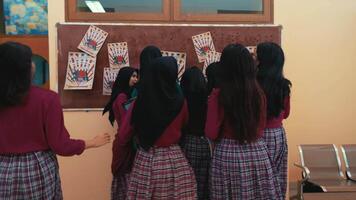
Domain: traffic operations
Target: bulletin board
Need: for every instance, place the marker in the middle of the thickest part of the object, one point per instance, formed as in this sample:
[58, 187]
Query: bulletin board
[169, 37]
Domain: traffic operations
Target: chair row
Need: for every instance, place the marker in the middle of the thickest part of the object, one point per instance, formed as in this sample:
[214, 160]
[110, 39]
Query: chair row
[321, 168]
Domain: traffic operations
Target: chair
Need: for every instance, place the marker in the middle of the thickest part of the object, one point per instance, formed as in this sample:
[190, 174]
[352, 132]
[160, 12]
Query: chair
[349, 154]
[322, 170]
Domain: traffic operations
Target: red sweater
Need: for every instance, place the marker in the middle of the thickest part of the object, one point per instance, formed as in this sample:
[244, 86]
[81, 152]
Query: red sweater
[277, 121]
[36, 125]
[216, 126]
[119, 113]
[170, 136]
[118, 107]
[121, 148]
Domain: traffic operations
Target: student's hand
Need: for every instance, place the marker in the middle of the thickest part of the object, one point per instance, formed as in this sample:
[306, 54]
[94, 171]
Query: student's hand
[97, 141]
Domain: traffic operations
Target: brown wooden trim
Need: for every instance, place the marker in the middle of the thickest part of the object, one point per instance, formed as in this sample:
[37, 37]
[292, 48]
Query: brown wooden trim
[72, 15]
[266, 17]
[23, 36]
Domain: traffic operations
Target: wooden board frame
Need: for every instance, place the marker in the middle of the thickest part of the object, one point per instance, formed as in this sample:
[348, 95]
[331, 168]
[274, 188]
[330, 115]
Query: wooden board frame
[169, 37]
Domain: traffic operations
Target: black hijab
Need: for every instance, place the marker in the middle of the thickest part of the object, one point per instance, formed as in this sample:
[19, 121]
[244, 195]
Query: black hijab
[148, 54]
[158, 102]
[212, 74]
[121, 85]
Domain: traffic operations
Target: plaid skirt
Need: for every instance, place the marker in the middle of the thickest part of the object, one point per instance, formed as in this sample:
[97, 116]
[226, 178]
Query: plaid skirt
[119, 186]
[276, 141]
[161, 173]
[197, 151]
[243, 172]
[30, 176]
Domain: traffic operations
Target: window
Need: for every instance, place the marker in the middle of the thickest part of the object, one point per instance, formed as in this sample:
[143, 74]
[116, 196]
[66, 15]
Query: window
[173, 11]
[144, 6]
[243, 11]
[222, 6]
[118, 10]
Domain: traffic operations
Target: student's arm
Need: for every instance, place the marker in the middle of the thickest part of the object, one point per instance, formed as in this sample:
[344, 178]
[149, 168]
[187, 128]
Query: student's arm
[97, 141]
[58, 137]
[214, 116]
[286, 107]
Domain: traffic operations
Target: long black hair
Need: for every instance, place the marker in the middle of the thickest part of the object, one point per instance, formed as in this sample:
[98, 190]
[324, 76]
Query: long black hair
[240, 95]
[194, 88]
[158, 102]
[121, 85]
[15, 73]
[270, 57]
[212, 75]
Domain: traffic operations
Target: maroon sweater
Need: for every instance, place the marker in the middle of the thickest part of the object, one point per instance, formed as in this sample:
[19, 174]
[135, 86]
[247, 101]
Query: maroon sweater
[121, 147]
[119, 113]
[171, 134]
[216, 126]
[36, 125]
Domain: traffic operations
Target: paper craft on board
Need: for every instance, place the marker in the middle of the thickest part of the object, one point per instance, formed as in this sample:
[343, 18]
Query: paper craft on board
[109, 79]
[118, 55]
[202, 44]
[93, 40]
[80, 71]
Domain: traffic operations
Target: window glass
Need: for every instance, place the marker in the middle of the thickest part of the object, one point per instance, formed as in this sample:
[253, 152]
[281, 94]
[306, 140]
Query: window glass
[222, 6]
[105, 6]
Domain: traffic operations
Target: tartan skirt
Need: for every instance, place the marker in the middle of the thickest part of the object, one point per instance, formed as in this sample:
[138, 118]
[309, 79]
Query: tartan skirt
[276, 141]
[242, 171]
[161, 173]
[119, 186]
[197, 151]
[30, 176]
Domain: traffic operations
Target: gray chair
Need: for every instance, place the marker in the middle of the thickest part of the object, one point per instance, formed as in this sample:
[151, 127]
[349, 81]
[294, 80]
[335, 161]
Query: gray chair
[321, 170]
[349, 154]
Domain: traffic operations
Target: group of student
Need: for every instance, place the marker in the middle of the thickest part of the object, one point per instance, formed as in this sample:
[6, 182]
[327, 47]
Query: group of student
[214, 137]
[217, 139]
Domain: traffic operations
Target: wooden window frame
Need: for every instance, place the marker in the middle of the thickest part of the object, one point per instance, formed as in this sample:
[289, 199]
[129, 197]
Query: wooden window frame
[73, 16]
[265, 17]
[171, 13]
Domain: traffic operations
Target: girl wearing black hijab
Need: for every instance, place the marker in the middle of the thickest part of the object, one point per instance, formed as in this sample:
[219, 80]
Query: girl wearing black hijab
[121, 92]
[156, 119]
[148, 54]
[212, 76]
[194, 144]
[122, 88]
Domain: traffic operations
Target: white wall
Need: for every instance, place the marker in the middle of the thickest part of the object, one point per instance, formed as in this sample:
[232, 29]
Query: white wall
[319, 40]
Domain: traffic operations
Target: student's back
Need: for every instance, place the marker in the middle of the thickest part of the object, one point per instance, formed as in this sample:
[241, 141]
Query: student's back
[156, 119]
[241, 167]
[36, 125]
[277, 89]
[32, 131]
[195, 146]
